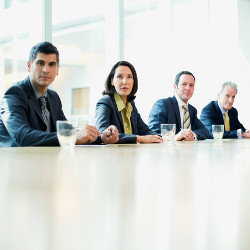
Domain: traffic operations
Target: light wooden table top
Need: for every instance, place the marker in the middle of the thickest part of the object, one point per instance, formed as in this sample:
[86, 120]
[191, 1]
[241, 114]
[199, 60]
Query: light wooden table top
[181, 195]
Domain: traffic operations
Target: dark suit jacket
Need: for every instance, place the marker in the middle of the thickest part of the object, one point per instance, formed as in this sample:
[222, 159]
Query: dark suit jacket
[107, 114]
[21, 122]
[211, 115]
[167, 111]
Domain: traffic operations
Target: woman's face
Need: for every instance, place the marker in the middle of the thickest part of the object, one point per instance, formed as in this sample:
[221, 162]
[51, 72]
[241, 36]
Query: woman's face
[123, 81]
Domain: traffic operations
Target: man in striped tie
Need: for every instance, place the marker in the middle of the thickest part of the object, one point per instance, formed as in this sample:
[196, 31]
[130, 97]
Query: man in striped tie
[29, 109]
[177, 110]
[222, 112]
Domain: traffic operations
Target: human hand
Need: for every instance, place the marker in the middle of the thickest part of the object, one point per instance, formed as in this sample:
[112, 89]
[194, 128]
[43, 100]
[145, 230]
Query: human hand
[110, 135]
[87, 134]
[185, 135]
[246, 134]
[149, 138]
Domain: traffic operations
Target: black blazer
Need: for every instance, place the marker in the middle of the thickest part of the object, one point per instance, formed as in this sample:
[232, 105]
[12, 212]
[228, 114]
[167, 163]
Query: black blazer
[107, 114]
[21, 122]
[167, 111]
[211, 115]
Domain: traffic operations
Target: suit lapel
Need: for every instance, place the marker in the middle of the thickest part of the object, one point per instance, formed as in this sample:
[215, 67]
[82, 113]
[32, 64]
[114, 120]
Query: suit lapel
[133, 119]
[191, 114]
[32, 98]
[177, 112]
[218, 110]
[230, 118]
[119, 114]
[52, 107]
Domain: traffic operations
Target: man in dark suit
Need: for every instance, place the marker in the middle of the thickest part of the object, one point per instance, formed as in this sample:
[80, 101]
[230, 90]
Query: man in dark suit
[23, 122]
[176, 110]
[221, 112]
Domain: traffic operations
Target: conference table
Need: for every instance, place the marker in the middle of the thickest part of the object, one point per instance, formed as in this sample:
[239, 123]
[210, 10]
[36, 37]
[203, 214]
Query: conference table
[177, 195]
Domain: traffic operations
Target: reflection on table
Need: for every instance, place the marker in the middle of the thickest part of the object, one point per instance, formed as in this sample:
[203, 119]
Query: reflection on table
[179, 195]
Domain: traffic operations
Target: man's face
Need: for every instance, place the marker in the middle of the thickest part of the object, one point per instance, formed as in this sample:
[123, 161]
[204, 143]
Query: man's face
[43, 70]
[227, 97]
[185, 88]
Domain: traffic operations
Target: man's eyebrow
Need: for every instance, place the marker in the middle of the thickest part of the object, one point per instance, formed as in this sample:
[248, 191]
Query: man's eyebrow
[188, 83]
[40, 60]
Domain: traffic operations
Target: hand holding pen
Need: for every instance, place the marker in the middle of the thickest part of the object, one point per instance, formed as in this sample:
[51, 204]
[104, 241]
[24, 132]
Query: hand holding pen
[110, 134]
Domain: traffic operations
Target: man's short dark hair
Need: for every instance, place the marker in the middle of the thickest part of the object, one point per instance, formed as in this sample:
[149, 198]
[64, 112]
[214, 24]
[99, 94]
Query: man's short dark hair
[177, 78]
[45, 48]
[110, 90]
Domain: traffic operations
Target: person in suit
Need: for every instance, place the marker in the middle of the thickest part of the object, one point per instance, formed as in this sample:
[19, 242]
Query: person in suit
[222, 112]
[29, 110]
[117, 106]
[177, 110]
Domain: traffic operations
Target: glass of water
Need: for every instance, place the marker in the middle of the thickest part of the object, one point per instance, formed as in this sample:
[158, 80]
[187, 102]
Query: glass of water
[218, 131]
[67, 133]
[168, 132]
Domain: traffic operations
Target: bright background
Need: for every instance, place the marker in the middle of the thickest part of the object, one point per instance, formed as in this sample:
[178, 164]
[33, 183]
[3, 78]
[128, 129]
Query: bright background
[210, 38]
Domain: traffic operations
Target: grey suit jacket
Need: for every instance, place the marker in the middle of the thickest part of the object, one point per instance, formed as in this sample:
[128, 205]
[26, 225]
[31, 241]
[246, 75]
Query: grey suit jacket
[211, 115]
[167, 111]
[21, 122]
[107, 114]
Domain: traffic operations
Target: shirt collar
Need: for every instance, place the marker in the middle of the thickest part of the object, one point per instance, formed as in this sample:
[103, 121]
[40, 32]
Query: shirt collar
[222, 109]
[119, 102]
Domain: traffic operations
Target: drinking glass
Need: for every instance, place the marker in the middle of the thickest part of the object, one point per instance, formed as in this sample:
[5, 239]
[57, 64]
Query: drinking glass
[168, 132]
[67, 133]
[217, 131]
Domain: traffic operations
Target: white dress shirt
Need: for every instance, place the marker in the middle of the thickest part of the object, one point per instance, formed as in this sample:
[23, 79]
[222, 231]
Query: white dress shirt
[182, 111]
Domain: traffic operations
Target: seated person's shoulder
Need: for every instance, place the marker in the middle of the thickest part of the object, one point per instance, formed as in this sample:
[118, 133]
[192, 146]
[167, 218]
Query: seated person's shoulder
[210, 107]
[53, 93]
[106, 99]
[16, 87]
[191, 106]
[161, 105]
[15, 91]
[211, 104]
[194, 110]
[234, 111]
[163, 101]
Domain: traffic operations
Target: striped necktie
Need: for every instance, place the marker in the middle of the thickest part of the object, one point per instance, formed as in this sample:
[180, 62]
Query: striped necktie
[42, 103]
[227, 122]
[186, 118]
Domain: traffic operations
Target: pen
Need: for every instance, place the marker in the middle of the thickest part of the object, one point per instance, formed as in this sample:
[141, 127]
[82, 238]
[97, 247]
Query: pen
[107, 132]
